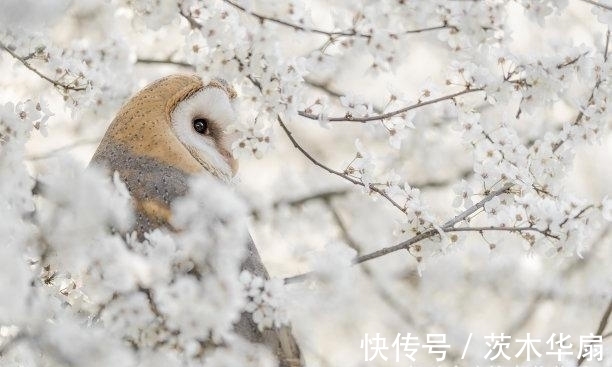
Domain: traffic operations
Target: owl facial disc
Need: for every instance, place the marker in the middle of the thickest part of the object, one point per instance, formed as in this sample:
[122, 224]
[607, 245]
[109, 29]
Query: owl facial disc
[202, 122]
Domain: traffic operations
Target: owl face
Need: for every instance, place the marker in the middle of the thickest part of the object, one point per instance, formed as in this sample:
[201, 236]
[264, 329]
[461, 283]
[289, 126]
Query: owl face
[178, 122]
[202, 122]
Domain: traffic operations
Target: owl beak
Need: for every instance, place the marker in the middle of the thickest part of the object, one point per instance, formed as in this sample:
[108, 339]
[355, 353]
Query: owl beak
[227, 150]
[231, 161]
[233, 165]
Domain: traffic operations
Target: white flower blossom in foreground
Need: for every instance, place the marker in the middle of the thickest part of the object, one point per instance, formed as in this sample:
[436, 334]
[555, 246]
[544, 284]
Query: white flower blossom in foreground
[422, 167]
[265, 300]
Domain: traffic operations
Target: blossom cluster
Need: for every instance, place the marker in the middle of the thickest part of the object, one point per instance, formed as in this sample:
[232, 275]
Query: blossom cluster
[465, 122]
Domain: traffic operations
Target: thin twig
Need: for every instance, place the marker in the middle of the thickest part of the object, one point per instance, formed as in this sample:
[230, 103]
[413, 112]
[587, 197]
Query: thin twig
[36, 157]
[349, 33]
[352, 180]
[152, 304]
[433, 184]
[580, 115]
[324, 195]
[420, 237]
[192, 22]
[527, 313]
[333, 193]
[530, 311]
[603, 323]
[299, 201]
[24, 61]
[164, 61]
[502, 229]
[350, 118]
[446, 227]
[323, 87]
[382, 291]
[606, 49]
[469, 211]
[405, 245]
[578, 215]
[604, 6]
[8, 345]
[604, 319]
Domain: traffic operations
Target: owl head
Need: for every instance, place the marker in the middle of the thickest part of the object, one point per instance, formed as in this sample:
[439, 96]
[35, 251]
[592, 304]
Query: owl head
[180, 121]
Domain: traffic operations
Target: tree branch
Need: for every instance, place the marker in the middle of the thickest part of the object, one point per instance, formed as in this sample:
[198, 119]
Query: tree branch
[299, 201]
[352, 180]
[603, 322]
[530, 311]
[382, 291]
[333, 193]
[469, 211]
[503, 229]
[323, 87]
[580, 115]
[604, 319]
[78, 143]
[56, 83]
[604, 6]
[349, 33]
[446, 227]
[164, 61]
[8, 345]
[324, 195]
[387, 115]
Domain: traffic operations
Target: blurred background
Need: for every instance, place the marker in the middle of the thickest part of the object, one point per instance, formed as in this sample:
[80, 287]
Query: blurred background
[304, 217]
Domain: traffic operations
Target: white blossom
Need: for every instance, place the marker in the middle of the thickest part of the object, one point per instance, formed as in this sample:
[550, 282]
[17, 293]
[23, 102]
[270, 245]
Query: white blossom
[265, 300]
[478, 207]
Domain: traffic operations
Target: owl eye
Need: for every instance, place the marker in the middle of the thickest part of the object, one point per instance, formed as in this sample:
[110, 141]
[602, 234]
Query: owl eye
[200, 125]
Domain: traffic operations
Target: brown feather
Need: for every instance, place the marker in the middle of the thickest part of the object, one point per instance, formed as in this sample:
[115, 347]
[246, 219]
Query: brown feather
[143, 124]
[156, 166]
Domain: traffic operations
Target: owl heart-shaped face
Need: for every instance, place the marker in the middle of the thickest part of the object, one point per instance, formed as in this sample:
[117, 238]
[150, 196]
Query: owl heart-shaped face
[201, 122]
[178, 122]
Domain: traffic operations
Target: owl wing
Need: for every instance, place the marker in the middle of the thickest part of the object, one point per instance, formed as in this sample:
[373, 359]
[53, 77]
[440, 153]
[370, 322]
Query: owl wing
[153, 186]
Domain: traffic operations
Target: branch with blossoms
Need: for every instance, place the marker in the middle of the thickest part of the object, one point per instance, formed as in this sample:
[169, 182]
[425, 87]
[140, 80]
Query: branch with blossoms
[447, 227]
[145, 299]
[182, 64]
[348, 117]
[331, 34]
[62, 86]
[530, 311]
[345, 176]
[519, 83]
[330, 194]
[590, 101]
[470, 86]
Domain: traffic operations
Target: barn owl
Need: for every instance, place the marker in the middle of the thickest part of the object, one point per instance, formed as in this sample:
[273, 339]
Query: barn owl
[174, 128]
